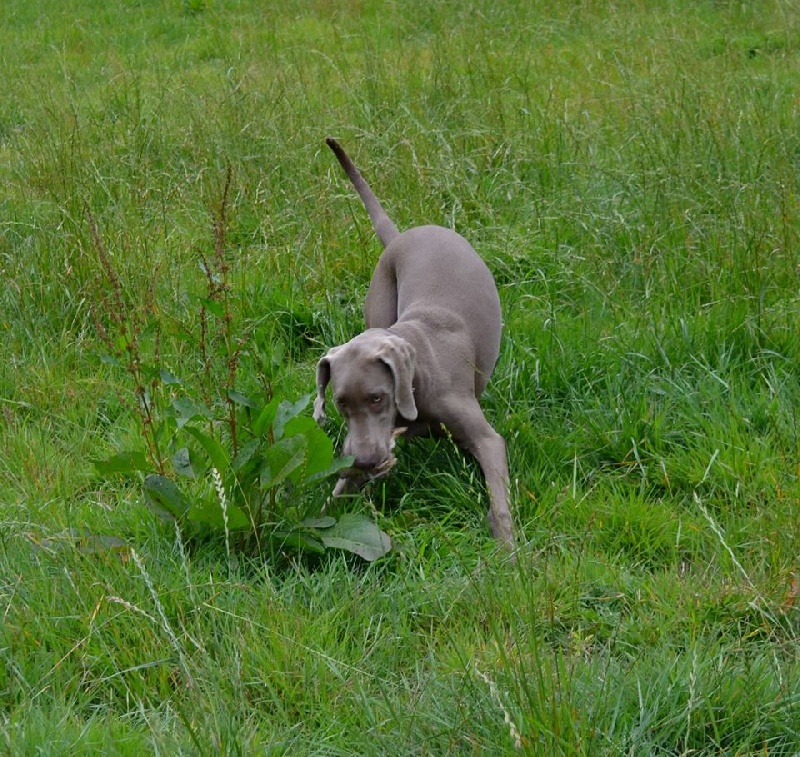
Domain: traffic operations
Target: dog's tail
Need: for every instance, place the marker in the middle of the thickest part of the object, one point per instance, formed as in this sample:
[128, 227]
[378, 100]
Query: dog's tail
[384, 228]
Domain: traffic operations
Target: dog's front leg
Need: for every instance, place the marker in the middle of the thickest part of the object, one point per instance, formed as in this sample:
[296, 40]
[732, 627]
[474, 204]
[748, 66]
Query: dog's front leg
[473, 432]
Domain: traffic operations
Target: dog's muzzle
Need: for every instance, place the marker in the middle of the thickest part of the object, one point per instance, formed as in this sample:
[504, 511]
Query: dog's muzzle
[353, 479]
[373, 472]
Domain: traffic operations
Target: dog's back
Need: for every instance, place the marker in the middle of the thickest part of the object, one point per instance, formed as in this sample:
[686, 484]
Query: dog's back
[436, 270]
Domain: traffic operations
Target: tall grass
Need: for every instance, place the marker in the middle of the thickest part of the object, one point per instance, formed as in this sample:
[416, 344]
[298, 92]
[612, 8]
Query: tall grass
[629, 173]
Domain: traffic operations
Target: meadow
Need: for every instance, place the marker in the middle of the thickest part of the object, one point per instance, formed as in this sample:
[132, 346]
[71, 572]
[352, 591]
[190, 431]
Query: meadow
[630, 172]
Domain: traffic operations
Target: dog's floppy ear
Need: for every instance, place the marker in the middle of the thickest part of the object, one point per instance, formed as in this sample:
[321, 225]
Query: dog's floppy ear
[323, 377]
[400, 356]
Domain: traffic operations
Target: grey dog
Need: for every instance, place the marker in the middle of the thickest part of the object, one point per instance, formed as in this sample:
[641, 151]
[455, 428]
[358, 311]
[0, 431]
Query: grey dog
[432, 340]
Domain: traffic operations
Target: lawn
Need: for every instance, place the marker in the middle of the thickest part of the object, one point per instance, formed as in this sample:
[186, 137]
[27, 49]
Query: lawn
[630, 172]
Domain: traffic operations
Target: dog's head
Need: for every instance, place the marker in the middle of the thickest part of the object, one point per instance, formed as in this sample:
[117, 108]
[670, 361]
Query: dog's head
[371, 380]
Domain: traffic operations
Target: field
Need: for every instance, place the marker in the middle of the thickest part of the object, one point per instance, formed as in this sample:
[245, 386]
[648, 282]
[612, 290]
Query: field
[630, 172]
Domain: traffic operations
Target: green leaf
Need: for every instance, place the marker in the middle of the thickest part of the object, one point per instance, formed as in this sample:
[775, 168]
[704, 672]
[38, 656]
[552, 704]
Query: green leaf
[286, 411]
[216, 452]
[339, 464]
[213, 306]
[111, 360]
[357, 534]
[245, 454]
[298, 540]
[168, 378]
[282, 459]
[150, 371]
[208, 511]
[165, 430]
[121, 343]
[187, 409]
[164, 497]
[323, 521]
[302, 424]
[124, 462]
[266, 417]
[183, 464]
[243, 399]
[320, 450]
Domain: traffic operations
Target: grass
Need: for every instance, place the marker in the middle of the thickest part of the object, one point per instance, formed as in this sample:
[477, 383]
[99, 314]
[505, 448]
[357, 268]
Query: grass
[629, 173]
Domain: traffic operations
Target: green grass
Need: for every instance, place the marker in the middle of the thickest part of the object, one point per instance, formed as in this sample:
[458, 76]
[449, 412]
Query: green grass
[629, 173]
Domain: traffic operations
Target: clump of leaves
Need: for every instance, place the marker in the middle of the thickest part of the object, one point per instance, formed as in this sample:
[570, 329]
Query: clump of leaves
[248, 497]
[221, 463]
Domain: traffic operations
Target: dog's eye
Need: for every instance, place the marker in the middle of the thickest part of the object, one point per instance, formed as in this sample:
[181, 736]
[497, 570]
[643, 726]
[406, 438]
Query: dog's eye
[375, 400]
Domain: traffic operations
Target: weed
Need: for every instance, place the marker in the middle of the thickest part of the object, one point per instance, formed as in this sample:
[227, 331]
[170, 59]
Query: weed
[247, 463]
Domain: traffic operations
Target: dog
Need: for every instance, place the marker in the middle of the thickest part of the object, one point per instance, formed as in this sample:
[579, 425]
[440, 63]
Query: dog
[432, 340]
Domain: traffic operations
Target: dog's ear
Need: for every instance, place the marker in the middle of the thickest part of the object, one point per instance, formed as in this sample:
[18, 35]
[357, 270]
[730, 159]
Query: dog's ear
[400, 356]
[323, 377]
